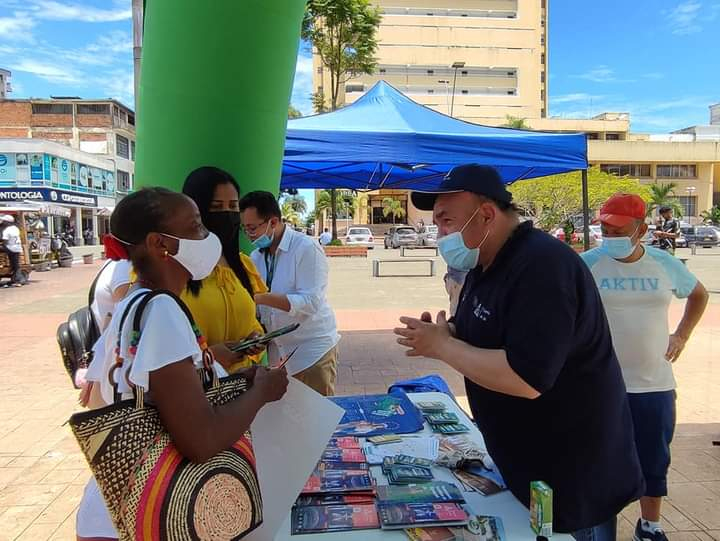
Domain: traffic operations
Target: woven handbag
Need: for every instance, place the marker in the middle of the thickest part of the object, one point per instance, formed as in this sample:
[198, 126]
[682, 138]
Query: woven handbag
[152, 492]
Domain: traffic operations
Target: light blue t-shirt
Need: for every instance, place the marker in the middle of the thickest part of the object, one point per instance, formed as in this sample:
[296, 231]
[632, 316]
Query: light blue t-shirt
[636, 297]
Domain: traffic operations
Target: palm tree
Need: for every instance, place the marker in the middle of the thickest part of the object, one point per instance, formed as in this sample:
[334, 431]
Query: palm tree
[392, 207]
[663, 195]
[711, 216]
[515, 122]
[297, 202]
[290, 215]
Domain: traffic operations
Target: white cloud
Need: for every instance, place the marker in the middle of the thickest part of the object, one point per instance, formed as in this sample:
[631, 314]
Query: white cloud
[49, 72]
[303, 84]
[602, 74]
[18, 28]
[57, 11]
[119, 85]
[574, 98]
[684, 18]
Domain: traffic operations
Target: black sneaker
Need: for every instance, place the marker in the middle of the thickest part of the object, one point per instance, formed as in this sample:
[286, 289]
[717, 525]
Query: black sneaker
[643, 535]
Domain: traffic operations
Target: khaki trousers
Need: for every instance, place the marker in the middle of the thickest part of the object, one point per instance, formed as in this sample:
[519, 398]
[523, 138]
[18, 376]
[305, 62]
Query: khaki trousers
[322, 375]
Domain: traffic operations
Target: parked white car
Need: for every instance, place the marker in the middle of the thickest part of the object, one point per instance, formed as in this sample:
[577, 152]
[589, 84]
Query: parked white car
[360, 236]
[428, 236]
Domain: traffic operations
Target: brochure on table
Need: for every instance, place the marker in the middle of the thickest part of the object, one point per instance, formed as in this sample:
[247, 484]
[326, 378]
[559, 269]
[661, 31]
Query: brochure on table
[514, 515]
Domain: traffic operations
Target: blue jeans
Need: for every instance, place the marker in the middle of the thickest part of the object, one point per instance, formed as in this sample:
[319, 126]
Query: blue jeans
[603, 532]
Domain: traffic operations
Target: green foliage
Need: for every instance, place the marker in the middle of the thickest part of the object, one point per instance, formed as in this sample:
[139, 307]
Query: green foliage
[343, 33]
[554, 200]
[663, 195]
[515, 122]
[293, 112]
[392, 207]
[290, 215]
[335, 242]
[711, 216]
[318, 101]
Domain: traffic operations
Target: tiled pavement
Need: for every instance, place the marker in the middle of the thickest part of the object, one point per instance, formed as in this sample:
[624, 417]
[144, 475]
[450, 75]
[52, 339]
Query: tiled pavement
[42, 474]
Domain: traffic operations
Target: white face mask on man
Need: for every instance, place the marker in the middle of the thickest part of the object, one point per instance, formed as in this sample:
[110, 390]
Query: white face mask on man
[199, 257]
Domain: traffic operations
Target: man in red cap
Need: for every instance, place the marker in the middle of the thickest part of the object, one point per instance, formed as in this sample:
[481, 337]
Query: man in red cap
[636, 284]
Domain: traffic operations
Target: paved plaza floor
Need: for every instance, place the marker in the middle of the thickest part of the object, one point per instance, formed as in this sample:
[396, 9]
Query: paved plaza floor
[42, 473]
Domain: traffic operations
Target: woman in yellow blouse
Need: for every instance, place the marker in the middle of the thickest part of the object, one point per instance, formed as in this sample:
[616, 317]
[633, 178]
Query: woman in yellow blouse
[222, 304]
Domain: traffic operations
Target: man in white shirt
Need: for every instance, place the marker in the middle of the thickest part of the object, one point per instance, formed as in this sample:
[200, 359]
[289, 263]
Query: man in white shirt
[325, 237]
[295, 270]
[636, 284]
[12, 246]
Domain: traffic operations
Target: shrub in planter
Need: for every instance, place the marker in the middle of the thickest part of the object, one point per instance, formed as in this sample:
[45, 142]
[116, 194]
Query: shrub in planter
[335, 242]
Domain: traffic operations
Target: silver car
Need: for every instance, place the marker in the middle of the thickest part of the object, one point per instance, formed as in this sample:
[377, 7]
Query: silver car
[400, 235]
[428, 236]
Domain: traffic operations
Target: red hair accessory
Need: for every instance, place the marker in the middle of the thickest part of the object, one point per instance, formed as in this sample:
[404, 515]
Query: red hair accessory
[115, 249]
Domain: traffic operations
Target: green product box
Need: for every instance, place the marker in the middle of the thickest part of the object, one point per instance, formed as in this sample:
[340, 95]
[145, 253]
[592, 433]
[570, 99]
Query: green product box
[541, 508]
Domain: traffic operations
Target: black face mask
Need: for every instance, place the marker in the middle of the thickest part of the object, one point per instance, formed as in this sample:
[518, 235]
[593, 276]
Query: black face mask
[225, 225]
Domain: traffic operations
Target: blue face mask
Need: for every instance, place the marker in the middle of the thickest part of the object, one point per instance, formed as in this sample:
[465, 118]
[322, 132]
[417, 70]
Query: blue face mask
[453, 250]
[619, 247]
[264, 241]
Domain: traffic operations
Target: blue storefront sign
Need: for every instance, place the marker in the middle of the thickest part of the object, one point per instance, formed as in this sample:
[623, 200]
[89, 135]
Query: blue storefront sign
[47, 195]
[7, 166]
[64, 172]
[36, 166]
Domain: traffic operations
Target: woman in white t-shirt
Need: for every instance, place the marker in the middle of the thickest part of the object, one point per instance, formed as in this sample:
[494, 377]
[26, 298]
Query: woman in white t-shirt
[168, 247]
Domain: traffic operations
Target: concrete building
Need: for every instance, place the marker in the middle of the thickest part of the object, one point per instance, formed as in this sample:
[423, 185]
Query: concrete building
[5, 87]
[492, 53]
[715, 114]
[39, 170]
[104, 127]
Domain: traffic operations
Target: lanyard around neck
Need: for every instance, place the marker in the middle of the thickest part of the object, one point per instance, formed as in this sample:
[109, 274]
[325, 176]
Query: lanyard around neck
[270, 265]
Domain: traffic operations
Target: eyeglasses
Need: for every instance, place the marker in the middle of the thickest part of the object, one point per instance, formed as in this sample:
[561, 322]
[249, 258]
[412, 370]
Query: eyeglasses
[251, 229]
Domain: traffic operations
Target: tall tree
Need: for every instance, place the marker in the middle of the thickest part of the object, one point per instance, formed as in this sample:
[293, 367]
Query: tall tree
[554, 200]
[392, 207]
[515, 122]
[711, 216]
[293, 112]
[344, 35]
[297, 203]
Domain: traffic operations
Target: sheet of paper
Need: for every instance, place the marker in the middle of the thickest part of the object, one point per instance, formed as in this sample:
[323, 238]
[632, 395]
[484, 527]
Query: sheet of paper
[288, 438]
[420, 447]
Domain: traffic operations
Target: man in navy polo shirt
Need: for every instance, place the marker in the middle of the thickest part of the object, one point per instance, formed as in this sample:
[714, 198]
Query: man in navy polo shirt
[531, 338]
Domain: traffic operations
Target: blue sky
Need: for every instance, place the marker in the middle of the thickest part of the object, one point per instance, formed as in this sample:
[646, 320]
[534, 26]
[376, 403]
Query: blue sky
[656, 59]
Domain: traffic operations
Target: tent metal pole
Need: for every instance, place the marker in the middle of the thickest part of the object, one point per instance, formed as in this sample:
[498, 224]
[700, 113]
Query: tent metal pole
[586, 210]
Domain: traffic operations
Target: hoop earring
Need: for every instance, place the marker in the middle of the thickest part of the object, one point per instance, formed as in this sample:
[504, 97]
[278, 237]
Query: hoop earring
[165, 254]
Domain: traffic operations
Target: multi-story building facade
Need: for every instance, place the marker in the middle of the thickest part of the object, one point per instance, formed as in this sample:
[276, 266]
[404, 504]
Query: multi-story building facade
[89, 134]
[481, 60]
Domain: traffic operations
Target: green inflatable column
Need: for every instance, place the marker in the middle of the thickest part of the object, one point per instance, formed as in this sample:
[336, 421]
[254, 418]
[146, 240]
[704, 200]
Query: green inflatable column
[215, 83]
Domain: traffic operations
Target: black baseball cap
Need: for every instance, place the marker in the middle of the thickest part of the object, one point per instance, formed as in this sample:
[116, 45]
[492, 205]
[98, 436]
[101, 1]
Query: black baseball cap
[479, 179]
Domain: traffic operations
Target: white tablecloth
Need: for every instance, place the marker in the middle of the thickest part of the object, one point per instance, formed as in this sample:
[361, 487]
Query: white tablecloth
[504, 505]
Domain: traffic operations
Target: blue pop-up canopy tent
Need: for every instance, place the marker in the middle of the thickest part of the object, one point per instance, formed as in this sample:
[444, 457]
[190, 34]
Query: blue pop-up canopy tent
[386, 140]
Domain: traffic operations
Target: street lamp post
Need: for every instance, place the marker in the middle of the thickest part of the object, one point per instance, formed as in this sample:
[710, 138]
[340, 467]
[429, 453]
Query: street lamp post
[456, 66]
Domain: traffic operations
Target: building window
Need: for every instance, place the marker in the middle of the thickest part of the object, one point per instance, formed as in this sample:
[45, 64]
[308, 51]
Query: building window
[542, 58]
[629, 169]
[131, 119]
[319, 70]
[688, 204]
[122, 147]
[431, 91]
[52, 108]
[382, 70]
[354, 88]
[123, 181]
[132, 150]
[593, 136]
[677, 171]
[93, 109]
[463, 91]
[430, 72]
[612, 136]
[542, 76]
[542, 95]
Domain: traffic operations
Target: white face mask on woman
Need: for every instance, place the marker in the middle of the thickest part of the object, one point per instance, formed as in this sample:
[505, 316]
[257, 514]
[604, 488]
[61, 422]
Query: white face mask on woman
[199, 257]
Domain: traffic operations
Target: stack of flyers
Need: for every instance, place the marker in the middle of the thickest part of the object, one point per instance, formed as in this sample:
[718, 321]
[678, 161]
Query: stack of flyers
[462, 444]
[332, 465]
[395, 516]
[481, 528]
[337, 454]
[333, 518]
[434, 533]
[445, 418]
[407, 475]
[430, 407]
[421, 447]
[335, 499]
[451, 428]
[338, 481]
[345, 442]
[477, 483]
[432, 492]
